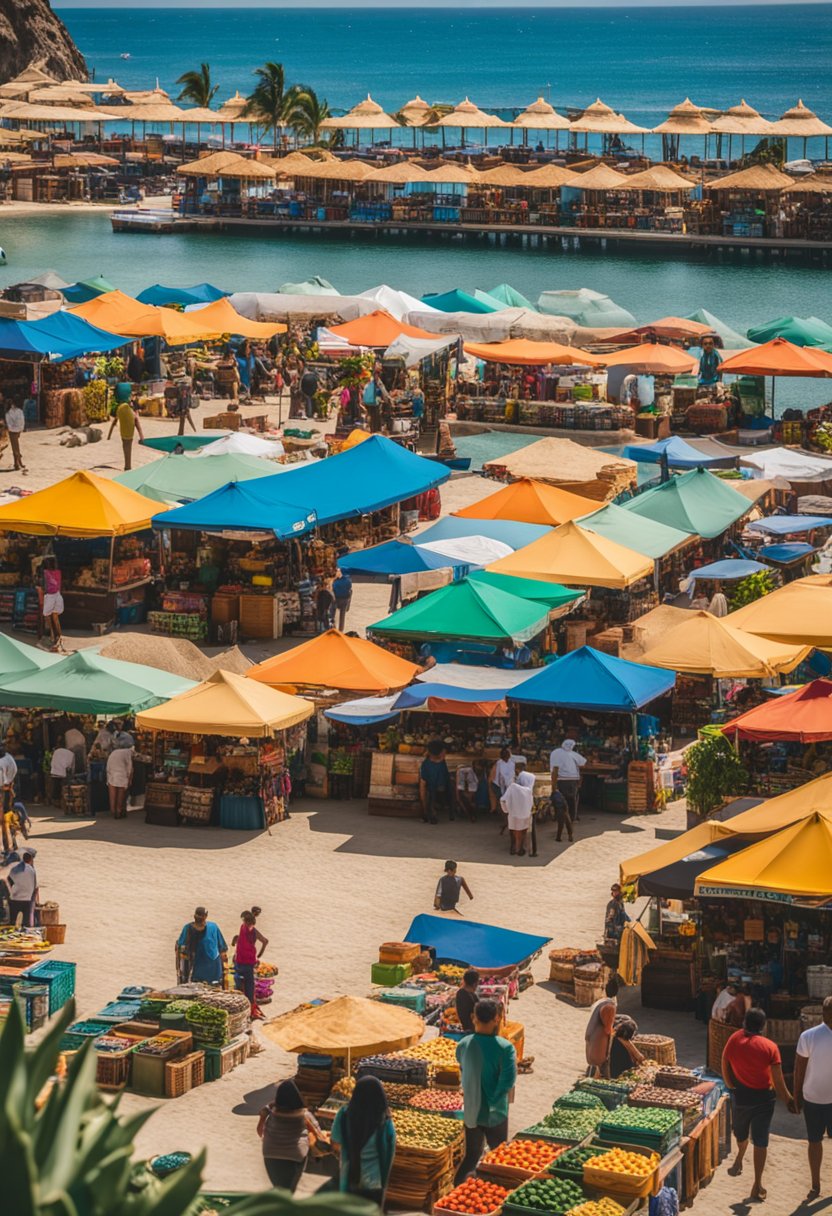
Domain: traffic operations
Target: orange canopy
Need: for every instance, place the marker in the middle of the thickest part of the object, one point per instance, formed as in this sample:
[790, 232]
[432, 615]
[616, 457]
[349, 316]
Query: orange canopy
[779, 358]
[530, 502]
[377, 329]
[121, 314]
[333, 660]
[525, 353]
[653, 359]
[678, 328]
[83, 504]
[111, 310]
[222, 316]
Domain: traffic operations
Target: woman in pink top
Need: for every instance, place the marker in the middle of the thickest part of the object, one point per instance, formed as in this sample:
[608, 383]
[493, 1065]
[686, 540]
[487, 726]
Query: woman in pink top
[246, 956]
[53, 601]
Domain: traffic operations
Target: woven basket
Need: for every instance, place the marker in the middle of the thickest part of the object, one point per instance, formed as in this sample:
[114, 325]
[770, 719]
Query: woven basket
[562, 973]
[50, 913]
[811, 1015]
[718, 1035]
[587, 993]
[658, 1047]
[784, 1031]
[55, 934]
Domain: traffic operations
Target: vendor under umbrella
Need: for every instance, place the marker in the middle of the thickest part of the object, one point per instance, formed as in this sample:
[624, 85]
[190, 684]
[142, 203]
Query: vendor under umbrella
[709, 364]
[201, 951]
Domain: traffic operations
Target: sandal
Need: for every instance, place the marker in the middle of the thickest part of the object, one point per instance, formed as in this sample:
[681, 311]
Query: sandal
[735, 1170]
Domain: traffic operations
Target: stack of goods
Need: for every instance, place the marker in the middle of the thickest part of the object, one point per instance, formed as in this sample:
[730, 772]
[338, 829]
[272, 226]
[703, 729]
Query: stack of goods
[14, 940]
[438, 1102]
[653, 1127]
[610, 1093]
[570, 1163]
[183, 615]
[566, 1124]
[519, 1159]
[395, 1068]
[625, 1172]
[641, 787]
[439, 1054]
[314, 1078]
[408, 998]
[216, 1018]
[428, 1151]
[264, 978]
[684, 1100]
[590, 979]
[659, 1047]
[673, 1076]
[196, 805]
[114, 1056]
[706, 418]
[599, 1207]
[552, 1195]
[75, 798]
[439, 997]
[474, 1196]
[151, 1056]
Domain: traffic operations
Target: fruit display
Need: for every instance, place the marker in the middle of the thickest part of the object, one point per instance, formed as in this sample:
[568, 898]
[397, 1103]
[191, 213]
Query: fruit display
[567, 1124]
[439, 1100]
[526, 1156]
[578, 1100]
[571, 1162]
[434, 1051]
[344, 1088]
[474, 1197]
[451, 974]
[424, 1131]
[598, 1207]
[620, 1161]
[552, 1195]
[654, 1095]
[653, 1120]
[208, 1025]
[266, 971]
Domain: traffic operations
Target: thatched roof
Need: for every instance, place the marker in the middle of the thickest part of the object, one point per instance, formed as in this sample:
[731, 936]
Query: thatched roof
[503, 175]
[83, 160]
[227, 164]
[563, 460]
[26, 112]
[541, 116]
[337, 170]
[452, 173]
[295, 164]
[110, 87]
[399, 174]
[203, 115]
[601, 177]
[146, 111]
[814, 183]
[601, 119]
[660, 178]
[742, 119]
[549, 177]
[234, 106]
[800, 122]
[467, 115]
[366, 116]
[684, 119]
[759, 178]
[56, 94]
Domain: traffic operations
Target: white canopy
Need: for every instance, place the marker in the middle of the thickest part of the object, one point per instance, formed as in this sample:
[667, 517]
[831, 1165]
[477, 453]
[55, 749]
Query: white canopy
[475, 327]
[475, 550]
[274, 306]
[784, 462]
[461, 675]
[239, 443]
[397, 303]
[414, 350]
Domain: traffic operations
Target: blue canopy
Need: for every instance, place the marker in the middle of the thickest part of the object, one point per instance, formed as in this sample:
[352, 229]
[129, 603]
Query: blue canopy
[460, 301]
[785, 553]
[200, 293]
[473, 944]
[396, 557]
[679, 454]
[782, 525]
[251, 506]
[416, 694]
[59, 336]
[372, 475]
[587, 679]
[730, 568]
[507, 530]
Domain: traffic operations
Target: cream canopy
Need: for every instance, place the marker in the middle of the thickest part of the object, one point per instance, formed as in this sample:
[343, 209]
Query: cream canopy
[707, 645]
[684, 119]
[742, 119]
[541, 116]
[468, 116]
[228, 705]
[368, 115]
[601, 119]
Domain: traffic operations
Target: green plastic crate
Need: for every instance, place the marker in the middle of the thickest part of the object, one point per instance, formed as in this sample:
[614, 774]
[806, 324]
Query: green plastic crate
[390, 974]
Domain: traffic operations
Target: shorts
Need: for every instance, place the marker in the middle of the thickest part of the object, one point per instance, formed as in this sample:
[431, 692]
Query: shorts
[818, 1116]
[754, 1118]
[53, 604]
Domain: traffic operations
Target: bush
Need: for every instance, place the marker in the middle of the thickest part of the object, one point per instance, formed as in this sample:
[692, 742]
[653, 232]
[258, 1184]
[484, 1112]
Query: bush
[714, 771]
[752, 587]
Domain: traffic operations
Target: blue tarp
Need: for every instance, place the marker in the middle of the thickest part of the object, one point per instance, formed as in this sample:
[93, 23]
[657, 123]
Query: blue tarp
[241, 506]
[507, 530]
[786, 553]
[416, 694]
[59, 336]
[680, 455]
[588, 679]
[396, 557]
[460, 301]
[373, 475]
[200, 293]
[783, 525]
[473, 944]
[730, 568]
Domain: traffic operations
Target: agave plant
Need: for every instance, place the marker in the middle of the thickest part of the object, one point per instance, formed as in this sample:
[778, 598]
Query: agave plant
[72, 1153]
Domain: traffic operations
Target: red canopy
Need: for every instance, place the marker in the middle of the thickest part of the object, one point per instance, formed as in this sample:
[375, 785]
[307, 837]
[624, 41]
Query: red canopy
[804, 716]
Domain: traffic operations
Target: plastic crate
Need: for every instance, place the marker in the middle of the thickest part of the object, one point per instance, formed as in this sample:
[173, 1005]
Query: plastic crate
[112, 1068]
[617, 1184]
[60, 977]
[148, 1075]
[407, 998]
[390, 974]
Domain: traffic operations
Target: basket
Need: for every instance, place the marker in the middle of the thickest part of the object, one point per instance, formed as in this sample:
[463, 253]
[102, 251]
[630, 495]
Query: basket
[658, 1047]
[234, 1054]
[398, 952]
[811, 1015]
[182, 1075]
[112, 1068]
[50, 913]
[55, 934]
[562, 973]
[60, 978]
[675, 1080]
[819, 980]
[784, 1031]
[587, 993]
[718, 1035]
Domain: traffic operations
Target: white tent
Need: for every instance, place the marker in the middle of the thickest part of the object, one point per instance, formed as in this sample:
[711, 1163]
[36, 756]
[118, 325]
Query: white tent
[475, 327]
[783, 462]
[475, 550]
[316, 286]
[397, 303]
[238, 443]
[273, 306]
[414, 350]
[585, 307]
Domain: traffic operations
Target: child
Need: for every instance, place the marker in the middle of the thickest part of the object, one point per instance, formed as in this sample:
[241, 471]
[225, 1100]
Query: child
[448, 889]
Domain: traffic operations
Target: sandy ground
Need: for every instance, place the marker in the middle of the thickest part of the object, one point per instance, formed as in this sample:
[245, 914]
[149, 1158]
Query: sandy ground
[334, 884]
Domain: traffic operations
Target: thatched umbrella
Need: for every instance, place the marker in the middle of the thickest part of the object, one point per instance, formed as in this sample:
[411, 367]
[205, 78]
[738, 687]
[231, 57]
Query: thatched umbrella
[368, 115]
[27, 112]
[660, 179]
[467, 116]
[741, 120]
[541, 116]
[801, 123]
[756, 179]
[815, 183]
[507, 176]
[601, 178]
[414, 113]
[24, 82]
[454, 174]
[295, 164]
[83, 160]
[400, 174]
[59, 94]
[110, 88]
[684, 119]
[550, 177]
[228, 164]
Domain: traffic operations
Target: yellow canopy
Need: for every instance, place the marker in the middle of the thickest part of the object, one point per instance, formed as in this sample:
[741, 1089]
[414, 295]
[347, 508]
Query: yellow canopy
[671, 851]
[815, 797]
[707, 645]
[796, 862]
[83, 505]
[577, 558]
[222, 316]
[349, 1025]
[800, 612]
[531, 502]
[229, 705]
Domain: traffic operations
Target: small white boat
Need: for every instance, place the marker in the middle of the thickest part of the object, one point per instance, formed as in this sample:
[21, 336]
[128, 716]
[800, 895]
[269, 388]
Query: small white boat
[124, 55]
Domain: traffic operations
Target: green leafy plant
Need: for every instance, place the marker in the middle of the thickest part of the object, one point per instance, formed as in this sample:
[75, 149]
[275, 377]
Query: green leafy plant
[71, 1153]
[714, 771]
[197, 86]
[752, 587]
[109, 367]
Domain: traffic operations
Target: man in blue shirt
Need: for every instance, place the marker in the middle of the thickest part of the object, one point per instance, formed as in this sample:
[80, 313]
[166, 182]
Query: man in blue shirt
[342, 590]
[489, 1072]
[434, 782]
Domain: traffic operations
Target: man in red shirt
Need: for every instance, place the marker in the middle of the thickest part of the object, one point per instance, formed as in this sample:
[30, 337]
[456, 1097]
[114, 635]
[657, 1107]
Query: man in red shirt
[753, 1072]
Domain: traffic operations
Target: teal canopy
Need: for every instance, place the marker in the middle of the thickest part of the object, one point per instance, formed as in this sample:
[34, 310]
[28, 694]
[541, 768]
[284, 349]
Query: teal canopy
[731, 339]
[86, 683]
[493, 302]
[461, 301]
[87, 289]
[696, 502]
[18, 659]
[509, 297]
[469, 611]
[181, 478]
[649, 537]
[551, 594]
[800, 331]
[188, 443]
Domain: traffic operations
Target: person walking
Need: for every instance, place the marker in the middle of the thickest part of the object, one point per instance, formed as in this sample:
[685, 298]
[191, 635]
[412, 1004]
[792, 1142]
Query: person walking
[15, 426]
[489, 1071]
[517, 803]
[308, 389]
[53, 600]
[565, 765]
[503, 772]
[342, 590]
[127, 420]
[324, 606]
[562, 817]
[364, 1132]
[8, 773]
[465, 1001]
[246, 957]
[119, 777]
[448, 889]
[753, 1071]
[61, 768]
[23, 885]
[201, 951]
[813, 1090]
[287, 1130]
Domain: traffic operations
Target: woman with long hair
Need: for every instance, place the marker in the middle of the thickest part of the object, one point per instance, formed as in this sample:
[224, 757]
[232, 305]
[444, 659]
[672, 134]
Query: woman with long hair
[285, 1127]
[367, 1138]
[246, 956]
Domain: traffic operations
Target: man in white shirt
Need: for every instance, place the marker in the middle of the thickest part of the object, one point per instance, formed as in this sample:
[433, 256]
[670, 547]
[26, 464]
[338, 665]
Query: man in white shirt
[725, 997]
[467, 783]
[119, 776]
[62, 767]
[23, 884]
[8, 772]
[15, 425]
[77, 744]
[565, 765]
[813, 1090]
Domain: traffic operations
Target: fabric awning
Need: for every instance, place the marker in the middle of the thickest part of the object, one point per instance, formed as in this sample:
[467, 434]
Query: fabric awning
[522, 352]
[473, 944]
[240, 506]
[678, 454]
[180, 478]
[576, 557]
[649, 538]
[349, 1025]
[470, 611]
[710, 645]
[804, 716]
[800, 612]
[230, 706]
[789, 866]
[334, 660]
[85, 682]
[531, 502]
[83, 505]
[589, 680]
[697, 502]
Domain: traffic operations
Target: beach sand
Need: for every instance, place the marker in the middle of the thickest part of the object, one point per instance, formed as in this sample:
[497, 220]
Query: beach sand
[335, 883]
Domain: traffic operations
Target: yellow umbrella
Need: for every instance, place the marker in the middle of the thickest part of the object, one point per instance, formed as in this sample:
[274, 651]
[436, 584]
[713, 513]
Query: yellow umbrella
[795, 863]
[571, 555]
[707, 645]
[228, 705]
[800, 612]
[672, 850]
[348, 1026]
[813, 798]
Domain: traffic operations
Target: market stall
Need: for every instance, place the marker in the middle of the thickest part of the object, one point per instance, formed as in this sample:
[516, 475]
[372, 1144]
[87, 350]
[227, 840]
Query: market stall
[221, 753]
[587, 472]
[182, 478]
[797, 613]
[530, 502]
[697, 502]
[99, 532]
[781, 741]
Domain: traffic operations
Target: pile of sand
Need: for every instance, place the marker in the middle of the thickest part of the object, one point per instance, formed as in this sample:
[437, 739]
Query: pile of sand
[232, 660]
[176, 655]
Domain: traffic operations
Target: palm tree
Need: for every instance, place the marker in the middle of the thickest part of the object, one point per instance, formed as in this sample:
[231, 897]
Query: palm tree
[267, 101]
[306, 113]
[197, 86]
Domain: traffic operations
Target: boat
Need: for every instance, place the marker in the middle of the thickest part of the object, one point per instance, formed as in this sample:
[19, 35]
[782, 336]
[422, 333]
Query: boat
[124, 55]
[460, 464]
[2, 256]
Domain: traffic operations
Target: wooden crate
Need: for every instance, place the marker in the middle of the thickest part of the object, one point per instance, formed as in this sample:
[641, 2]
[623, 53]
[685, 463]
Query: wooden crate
[259, 616]
[230, 420]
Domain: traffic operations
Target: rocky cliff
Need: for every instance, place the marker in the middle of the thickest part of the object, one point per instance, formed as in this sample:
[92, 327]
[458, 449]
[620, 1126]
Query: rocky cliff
[31, 33]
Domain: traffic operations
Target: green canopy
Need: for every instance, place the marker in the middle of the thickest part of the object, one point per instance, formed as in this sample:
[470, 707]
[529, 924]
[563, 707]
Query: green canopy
[469, 611]
[188, 443]
[18, 659]
[551, 594]
[86, 683]
[696, 502]
[182, 478]
[731, 339]
[509, 297]
[648, 537]
[800, 331]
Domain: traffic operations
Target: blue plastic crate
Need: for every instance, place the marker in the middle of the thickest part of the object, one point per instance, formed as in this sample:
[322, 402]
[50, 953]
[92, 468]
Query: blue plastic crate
[61, 980]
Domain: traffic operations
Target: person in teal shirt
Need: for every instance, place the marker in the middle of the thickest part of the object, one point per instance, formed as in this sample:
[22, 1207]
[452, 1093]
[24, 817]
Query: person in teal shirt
[489, 1072]
[365, 1134]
